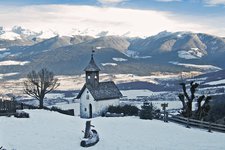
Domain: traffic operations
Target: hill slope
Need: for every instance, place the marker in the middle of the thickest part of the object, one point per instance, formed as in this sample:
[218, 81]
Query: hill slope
[50, 130]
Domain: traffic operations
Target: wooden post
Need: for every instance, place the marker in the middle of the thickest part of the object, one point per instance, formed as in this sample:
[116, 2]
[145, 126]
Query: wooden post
[87, 129]
[188, 123]
[167, 114]
[210, 127]
[164, 105]
[201, 125]
[21, 104]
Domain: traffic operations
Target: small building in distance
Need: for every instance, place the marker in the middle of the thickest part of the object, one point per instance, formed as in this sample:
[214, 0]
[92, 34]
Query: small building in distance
[95, 97]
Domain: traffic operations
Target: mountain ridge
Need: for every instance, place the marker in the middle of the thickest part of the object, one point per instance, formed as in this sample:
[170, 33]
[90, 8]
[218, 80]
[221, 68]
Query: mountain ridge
[115, 54]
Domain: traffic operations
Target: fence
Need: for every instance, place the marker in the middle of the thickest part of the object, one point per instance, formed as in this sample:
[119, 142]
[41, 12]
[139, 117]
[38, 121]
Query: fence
[197, 123]
[7, 108]
[27, 106]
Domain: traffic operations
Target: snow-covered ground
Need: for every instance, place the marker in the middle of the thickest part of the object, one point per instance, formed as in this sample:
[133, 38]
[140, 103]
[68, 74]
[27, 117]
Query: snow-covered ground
[109, 64]
[46, 130]
[193, 53]
[216, 82]
[119, 59]
[133, 94]
[157, 104]
[8, 74]
[3, 49]
[12, 62]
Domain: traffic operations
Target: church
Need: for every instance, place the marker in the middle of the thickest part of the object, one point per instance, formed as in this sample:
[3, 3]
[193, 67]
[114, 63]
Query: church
[95, 97]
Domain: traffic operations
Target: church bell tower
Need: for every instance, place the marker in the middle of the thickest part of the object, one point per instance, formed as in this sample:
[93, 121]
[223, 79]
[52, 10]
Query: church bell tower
[92, 72]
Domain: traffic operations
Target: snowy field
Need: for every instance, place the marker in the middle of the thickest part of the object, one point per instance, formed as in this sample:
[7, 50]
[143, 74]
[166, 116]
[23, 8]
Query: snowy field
[132, 94]
[207, 68]
[216, 82]
[46, 130]
[157, 104]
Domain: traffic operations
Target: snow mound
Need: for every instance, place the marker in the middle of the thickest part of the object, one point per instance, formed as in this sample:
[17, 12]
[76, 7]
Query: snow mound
[46, 130]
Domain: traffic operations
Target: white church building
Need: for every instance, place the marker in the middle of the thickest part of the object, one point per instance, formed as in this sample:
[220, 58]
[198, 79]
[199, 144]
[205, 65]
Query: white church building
[95, 97]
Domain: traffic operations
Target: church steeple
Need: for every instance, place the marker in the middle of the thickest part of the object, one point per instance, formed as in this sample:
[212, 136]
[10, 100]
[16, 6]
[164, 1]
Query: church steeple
[92, 72]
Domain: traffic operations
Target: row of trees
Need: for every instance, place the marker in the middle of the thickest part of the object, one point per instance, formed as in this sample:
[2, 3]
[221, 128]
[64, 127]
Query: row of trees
[147, 111]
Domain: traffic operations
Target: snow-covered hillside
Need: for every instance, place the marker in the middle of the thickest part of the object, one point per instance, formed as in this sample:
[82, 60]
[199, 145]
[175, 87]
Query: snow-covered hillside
[46, 130]
[206, 68]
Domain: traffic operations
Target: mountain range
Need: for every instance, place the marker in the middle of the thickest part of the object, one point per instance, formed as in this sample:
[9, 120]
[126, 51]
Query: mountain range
[23, 50]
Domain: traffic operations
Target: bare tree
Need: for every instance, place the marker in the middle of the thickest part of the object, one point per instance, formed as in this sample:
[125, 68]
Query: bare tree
[187, 100]
[188, 105]
[40, 83]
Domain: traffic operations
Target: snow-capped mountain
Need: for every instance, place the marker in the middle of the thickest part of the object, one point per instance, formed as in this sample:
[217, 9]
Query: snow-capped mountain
[143, 56]
[19, 33]
[197, 44]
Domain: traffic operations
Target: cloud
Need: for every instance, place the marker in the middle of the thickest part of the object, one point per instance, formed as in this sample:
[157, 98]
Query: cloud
[111, 2]
[214, 2]
[76, 19]
[169, 0]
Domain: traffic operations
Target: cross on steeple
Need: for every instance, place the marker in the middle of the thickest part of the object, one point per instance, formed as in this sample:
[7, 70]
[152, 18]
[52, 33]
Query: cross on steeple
[93, 51]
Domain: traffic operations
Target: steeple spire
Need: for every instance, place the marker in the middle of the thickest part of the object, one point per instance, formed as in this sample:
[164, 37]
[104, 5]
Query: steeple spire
[92, 65]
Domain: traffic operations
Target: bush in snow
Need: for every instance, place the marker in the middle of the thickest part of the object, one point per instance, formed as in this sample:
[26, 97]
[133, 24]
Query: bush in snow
[66, 112]
[127, 110]
[217, 113]
[21, 114]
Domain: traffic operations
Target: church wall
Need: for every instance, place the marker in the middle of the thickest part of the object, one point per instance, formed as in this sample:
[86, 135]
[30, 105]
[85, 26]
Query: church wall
[86, 99]
[98, 107]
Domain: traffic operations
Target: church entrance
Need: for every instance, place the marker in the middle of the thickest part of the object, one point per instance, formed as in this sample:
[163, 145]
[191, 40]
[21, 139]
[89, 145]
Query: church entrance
[90, 111]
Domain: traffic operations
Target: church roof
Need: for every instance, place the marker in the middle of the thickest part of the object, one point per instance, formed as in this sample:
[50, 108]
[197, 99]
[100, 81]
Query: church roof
[103, 91]
[92, 65]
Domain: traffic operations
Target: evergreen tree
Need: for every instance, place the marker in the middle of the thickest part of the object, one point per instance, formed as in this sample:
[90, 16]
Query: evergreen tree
[147, 111]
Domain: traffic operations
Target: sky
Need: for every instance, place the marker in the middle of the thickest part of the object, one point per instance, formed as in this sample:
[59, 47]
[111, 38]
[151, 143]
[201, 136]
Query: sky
[118, 17]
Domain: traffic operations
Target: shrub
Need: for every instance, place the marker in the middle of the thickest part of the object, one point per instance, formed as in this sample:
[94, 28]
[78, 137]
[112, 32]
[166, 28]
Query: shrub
[217, 112]
[147, 110]
[66, 112]
[21, 114]
[127, 110]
